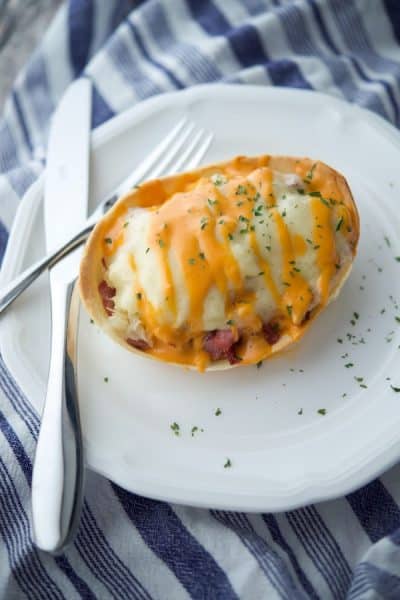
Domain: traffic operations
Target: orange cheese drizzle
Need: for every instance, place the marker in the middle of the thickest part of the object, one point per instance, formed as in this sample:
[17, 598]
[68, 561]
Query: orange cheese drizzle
[196, 225]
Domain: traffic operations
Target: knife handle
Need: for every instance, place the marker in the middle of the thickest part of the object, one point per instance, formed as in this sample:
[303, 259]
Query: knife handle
[12, 290]
[57, 485]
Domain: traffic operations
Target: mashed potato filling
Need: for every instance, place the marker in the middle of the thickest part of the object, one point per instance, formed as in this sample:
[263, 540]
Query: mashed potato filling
[229, 252]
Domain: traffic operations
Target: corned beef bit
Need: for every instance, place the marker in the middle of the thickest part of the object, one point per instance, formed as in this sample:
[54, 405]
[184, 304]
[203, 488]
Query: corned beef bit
[272, 332]
[107, 293]
[139, 344]
[219, 344]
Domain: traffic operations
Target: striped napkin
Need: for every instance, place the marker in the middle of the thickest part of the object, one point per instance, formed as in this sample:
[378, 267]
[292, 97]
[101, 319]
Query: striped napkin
[132, 547]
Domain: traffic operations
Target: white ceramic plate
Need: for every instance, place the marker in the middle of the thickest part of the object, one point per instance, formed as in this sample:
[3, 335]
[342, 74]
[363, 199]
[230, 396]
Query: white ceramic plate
[280, 458]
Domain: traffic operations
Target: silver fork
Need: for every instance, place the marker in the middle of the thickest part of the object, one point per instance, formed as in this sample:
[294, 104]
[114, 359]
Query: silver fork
[184, 146]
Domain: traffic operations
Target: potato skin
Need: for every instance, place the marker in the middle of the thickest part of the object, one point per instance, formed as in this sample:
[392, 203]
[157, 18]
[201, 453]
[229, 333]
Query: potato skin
[92, 271]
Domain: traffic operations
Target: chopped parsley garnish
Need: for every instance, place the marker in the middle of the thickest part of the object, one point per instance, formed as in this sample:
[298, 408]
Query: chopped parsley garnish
[91, 321]
[397, 319]
[395, 389]
[126, 223]
[310, 174]
[316, 247]
[203, 223]
[108, 240]
[289, 308]
[218, 412]
[230, 236]
[258, 211]
[397, 258]
[349, 365]
[243, 231]
[212, 202]
[321, 411]
[259, 364]
[284, 213]
[193, 430]
[161, 243]
[300, 412]
[139, 296]
[339, 224]
[309, 241]
[192, 261]
[243, 219]
[147, 250]
[241, 189]
[239, 203]
[221, 222]
[105, 379]
[175, 428]
[228, 463]
[230, 322]
[202, 256]
[359, 379]
[218, 179]
[356, 315]
[268, 248]
[260, 273]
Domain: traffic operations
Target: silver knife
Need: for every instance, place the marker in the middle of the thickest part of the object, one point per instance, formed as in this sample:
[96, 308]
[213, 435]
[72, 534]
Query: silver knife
[58, 469]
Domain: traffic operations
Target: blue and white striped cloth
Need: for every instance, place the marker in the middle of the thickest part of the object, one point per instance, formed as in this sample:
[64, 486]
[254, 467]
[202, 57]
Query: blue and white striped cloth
[131, 547]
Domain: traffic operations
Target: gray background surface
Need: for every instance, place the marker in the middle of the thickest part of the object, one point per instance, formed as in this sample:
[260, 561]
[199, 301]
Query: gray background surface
[22, 24]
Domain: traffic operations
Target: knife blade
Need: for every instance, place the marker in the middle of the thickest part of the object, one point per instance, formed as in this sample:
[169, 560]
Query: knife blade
[58, 469]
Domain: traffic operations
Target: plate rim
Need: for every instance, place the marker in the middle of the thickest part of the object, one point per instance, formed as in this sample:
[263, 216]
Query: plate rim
[23, 222]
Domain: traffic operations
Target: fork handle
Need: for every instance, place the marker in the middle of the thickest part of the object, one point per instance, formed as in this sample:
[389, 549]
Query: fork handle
[57, 483]
[14, 288]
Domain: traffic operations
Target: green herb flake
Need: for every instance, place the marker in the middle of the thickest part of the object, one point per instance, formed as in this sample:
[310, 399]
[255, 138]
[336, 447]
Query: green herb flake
[147, 250]
[161, 243]
[259, 364]
[230, 322]
[203, 223]
[321, 411]
[289, 308]
[91, 321]
[202, 256]
[356, 315]
[108, 240]
[192, 261]
[300, 412]
[175, 428]
[359, 379]
[397, 319]
[260, 273]
[397, 258]
[193, 430]
[230, 236]
[349, 365]
[395, 389]
[126, 223]
[218, 179]
[228, 463]
[212, 202]
[241, 189]
[218, 412]
[105, 379]
[339, 223]
[310, 173]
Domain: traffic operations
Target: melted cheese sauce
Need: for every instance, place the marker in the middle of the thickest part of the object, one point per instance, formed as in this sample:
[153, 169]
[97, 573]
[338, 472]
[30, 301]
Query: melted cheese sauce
[227, 252]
